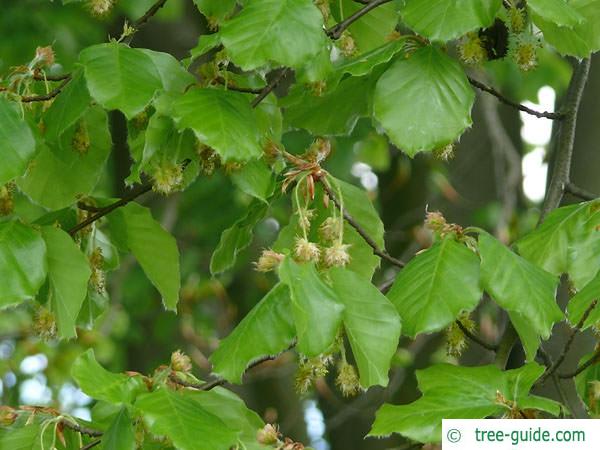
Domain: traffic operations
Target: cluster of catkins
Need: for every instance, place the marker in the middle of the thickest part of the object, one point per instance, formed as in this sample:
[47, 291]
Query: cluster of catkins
[311, 369]
[522, 43]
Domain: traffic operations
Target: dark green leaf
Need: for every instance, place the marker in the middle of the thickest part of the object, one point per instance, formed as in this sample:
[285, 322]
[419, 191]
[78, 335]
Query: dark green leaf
[120, 434]
[256, 179]
[17, 145]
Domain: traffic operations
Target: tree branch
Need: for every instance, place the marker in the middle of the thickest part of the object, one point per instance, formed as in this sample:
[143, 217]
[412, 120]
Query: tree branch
[50, 95]
[583, 194]
[564, 148]
[269, 87]
[139, 23]
[475, 338]
[485, 88]
[40, 77]
[336, 31]
[91, 445]
[590, 362]
[80, 428]
[354, 224]
[110, 208]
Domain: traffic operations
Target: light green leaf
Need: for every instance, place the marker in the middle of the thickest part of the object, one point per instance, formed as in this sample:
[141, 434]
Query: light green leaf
[586, 383]
[17, 146]
[509, 279]
[60, 175]
[22, 262]
[559, 12]
[206, 42]
[313, 302]
[424, 102]
[267, 329]
[282, 32]
[155, 249]
[371, 324]
[68, 272]
[581, 301]
[215, 10]
[173, 75]
[454, 392]
[255, 178]
[580, 40]
[364, 63]
[443, 20]
[119, 77]
[436, 286]
[236, 238]
[120, 434]
[184, 421]
[222, 120]
[67, 108]
[99, 383]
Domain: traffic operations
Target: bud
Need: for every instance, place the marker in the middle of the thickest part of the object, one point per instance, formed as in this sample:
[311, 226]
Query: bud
[98, 278]
[304, 218]
[319, 150]
[516, 18]
[7, 416]
[337, 255]
[81, 139]
[306, 251]
[268, 435]
[329, 231]
[323, 6]
[309, 370]
[100, 8]
[435, 221]
[167, 178]
[393, 36]
[44, 324]
[471, 49]
[44, 56]
[209, 159]
[347, 380]
[523, 50]
[318, 88]
[444, 153]
[140, 121]
[180, 362]
[268, 261]
[271, 151]
[347, 45]
[456, 341]
[7, 203]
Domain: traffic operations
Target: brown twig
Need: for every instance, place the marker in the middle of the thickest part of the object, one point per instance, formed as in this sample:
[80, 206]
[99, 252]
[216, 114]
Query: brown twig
[545, 115]
[91, 445]
[336, 31]
[49, 96]
[269, 87]
[40, 77]
[80, 428]
[475, 338]
[579, 192]
[382, 253]
[139, 23]
[572, 333]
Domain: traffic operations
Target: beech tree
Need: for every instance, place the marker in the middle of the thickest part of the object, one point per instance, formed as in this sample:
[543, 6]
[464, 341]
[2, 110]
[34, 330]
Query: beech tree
[248, 141]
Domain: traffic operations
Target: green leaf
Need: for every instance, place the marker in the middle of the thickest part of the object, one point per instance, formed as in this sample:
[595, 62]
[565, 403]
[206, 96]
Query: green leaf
[22, 262]
[509, 279]
[558, 12]
[153, 247]
[582, 38]
[68, 272]
[364, 63]
[581, 301]
[268, 31]
[454, 392]
[67, 108]
[99, 383]
[206, 42]
[566, 242]
[371, 324]
[222, 120]
[60, 175]
[587, 385]
[173, 75]
[436, 286]
[334, 113]
[120, 434]
[184, 421]
[313, 302]
[423, 102]
[256, 179]
[119, 77]
[215, 10]
[443, 20]
[267, 329]
[17, 146]
[236, 238]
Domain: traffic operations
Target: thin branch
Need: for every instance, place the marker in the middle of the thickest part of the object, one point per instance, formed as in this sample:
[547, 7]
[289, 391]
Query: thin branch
[269, 87]
[583, 194]
[336, 31]
[231, 87]
[40, 77]
[139, 23]
[547, 359]
[475, 338]
[564, 148]
[49, 96]
[110, 208]
[221, 381]
[354, 224]
[590, 362]
[506, 101]
[91, 445]
[80, 428]
[572, 333]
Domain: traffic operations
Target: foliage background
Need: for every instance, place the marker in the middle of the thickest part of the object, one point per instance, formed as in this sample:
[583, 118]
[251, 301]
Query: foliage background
[136, 334]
